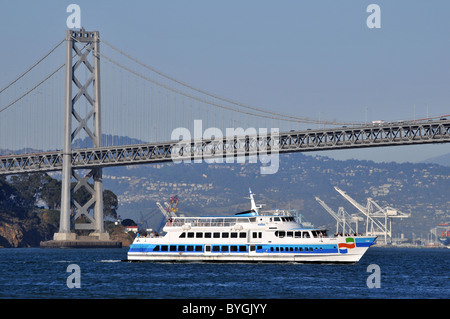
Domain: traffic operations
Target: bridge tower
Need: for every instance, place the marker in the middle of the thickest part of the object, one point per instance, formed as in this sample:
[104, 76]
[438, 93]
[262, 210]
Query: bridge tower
[82, 113]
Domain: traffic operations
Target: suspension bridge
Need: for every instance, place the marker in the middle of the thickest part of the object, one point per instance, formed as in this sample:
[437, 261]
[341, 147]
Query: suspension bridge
[79, 109]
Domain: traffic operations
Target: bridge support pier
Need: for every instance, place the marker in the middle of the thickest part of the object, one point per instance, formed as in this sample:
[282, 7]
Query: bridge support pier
[84, 46]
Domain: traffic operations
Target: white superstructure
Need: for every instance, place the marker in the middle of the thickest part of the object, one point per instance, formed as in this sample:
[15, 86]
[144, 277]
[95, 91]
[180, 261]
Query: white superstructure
[249, 236]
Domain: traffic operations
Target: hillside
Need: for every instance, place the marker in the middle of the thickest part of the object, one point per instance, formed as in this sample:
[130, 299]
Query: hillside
[29, 208]
[418, 189]
[443, 160]
[207, 189]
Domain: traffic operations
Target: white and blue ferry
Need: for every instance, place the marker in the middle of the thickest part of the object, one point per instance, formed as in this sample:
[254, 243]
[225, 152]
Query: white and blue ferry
[250, 236]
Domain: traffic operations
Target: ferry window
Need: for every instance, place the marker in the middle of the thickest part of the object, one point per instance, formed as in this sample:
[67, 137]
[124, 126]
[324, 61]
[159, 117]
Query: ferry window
[198, 248]
[190, 235]
[173, 248]
[257, 235]
[298, 234]
[276, 219]
[242, 248]
[207, 235]
[215, 248]
[234, 235]
[258, 247]
[183, 235]
[233, 248]
[306, 234]
[301, 249]
[224, 248]
[281, 248]
[289, 234]
[277, 248]
[242, 235]
[156, 248]
[225, 235]
[296, 249]
[208, 248]
[252, 248]
[216, 235]
[253, 219]
[198, 235]
[164, 247]
[190, 248]
[280, 233]
[271, 248]
[181, 248]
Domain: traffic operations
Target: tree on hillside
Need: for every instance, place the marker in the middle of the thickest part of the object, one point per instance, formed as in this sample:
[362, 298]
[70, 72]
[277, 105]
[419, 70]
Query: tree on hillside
[22, 192]
[110, 204]
[51, 193]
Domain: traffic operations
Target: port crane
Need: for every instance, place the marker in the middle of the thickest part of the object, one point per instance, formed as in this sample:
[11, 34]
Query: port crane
[374, 215]
[343, 219]
[169, 212]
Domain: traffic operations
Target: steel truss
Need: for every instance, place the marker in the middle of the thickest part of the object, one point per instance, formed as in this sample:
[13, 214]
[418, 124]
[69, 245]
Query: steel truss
[388, 134]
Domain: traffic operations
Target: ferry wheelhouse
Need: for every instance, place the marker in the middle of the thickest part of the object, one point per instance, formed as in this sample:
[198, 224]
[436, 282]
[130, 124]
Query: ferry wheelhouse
[250, 236]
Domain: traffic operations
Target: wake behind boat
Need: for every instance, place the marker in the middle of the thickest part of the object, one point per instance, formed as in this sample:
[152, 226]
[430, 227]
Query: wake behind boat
[250, 236]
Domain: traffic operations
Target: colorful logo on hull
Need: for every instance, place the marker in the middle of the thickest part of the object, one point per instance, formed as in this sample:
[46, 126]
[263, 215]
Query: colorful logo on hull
[349, 244]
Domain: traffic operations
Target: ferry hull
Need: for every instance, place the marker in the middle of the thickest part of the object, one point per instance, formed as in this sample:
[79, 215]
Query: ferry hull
[319, 253]
[349, 259]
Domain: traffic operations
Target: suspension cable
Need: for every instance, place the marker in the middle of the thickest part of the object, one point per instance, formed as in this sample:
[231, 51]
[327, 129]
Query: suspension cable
[280, 116]
[33, 66]
[32, 89]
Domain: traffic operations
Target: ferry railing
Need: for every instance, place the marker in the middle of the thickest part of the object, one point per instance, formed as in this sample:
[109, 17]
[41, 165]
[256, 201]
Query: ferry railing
[206, 222]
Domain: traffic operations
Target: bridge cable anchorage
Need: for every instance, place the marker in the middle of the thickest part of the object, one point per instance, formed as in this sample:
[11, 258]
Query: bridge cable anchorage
[283, 117]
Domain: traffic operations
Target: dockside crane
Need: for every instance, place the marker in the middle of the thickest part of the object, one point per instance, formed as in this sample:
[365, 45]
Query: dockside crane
[374, 226]
[343, 219]
[169, 212]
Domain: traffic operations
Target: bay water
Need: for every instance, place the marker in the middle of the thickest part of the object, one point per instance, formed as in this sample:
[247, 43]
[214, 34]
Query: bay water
[403, 273]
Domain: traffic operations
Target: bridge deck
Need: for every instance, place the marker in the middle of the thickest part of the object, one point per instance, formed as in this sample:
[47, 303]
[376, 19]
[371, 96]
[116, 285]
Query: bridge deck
[369, 135]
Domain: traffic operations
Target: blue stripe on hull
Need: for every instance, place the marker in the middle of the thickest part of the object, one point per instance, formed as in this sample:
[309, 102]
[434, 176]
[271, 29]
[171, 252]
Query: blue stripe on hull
[364, 242]
[294, 249]
[326, 249]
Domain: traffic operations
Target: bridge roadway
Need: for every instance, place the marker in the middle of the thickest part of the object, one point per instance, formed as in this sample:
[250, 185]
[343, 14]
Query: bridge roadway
[357, 136]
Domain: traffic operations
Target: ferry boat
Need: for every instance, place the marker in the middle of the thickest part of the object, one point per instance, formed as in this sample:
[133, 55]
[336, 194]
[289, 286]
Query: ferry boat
[250, 236]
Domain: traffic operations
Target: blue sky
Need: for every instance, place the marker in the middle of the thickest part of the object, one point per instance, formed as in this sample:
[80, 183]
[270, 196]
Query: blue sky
[308, 58]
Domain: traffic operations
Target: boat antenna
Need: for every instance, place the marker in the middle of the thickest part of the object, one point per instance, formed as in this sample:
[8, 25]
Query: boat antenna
[252, 200]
